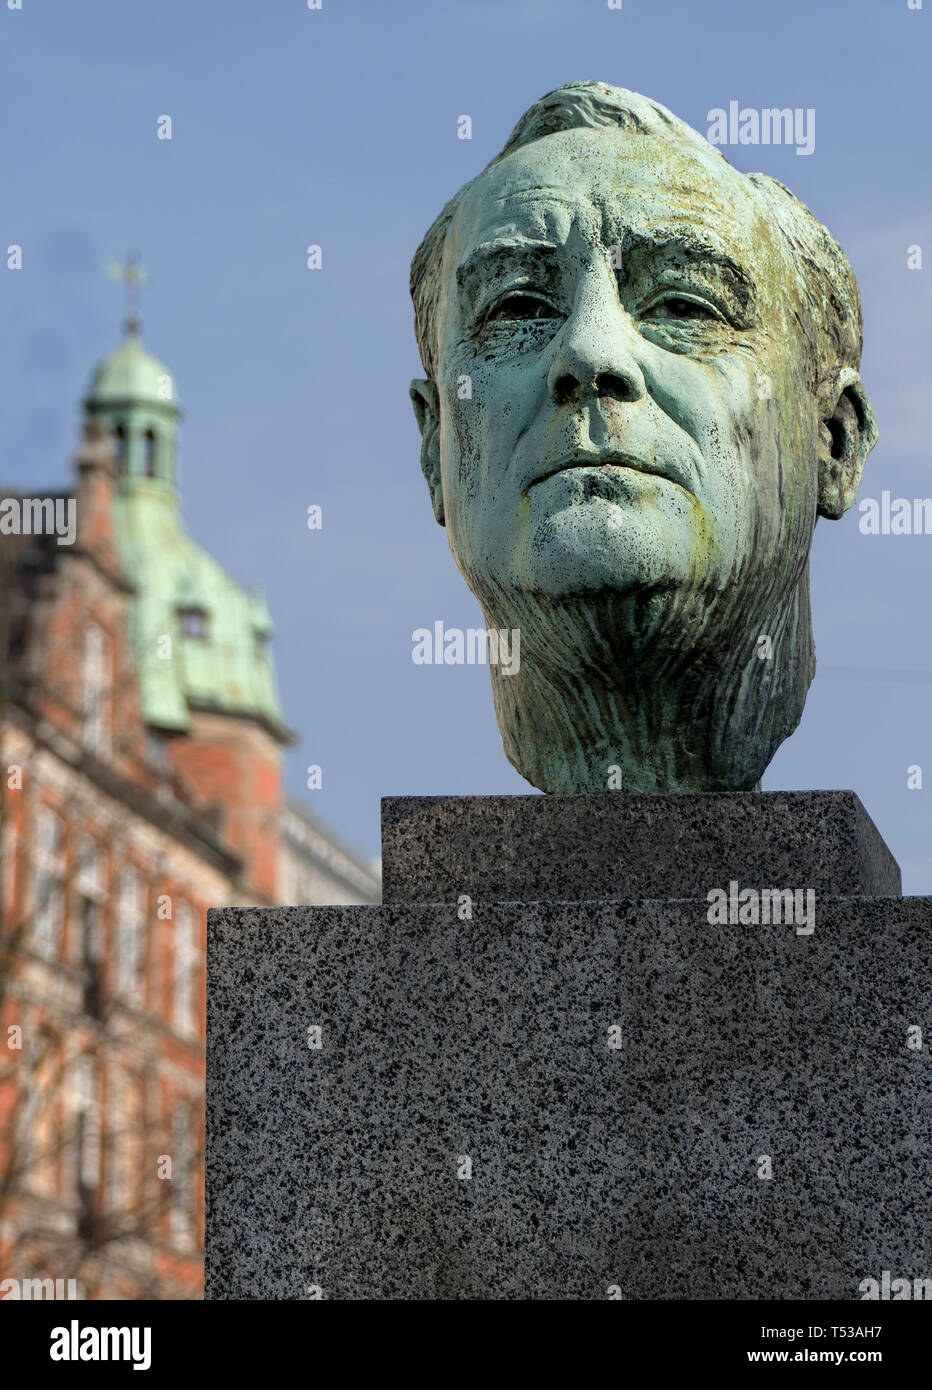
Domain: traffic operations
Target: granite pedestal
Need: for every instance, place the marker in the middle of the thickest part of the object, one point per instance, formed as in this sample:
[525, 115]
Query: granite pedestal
[538, 1071]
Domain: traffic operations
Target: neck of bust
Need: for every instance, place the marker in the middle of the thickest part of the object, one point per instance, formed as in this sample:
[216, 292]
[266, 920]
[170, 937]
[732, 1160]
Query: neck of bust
[593, 708]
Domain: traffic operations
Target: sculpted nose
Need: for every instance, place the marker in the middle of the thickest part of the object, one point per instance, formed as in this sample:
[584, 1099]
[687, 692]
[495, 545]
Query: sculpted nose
[576, 386]
[596, 352]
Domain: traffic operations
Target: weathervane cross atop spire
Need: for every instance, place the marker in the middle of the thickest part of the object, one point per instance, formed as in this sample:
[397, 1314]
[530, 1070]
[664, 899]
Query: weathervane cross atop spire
[134, 275]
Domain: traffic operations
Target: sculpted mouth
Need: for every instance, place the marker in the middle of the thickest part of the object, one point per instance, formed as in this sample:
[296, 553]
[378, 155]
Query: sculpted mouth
[607, 461]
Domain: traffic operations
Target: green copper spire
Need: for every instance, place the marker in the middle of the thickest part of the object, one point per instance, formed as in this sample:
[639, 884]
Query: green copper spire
[134, 394]
[202, 641]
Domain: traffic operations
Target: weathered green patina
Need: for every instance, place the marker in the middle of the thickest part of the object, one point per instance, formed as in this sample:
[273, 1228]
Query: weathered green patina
[642, 389]
[217, 654]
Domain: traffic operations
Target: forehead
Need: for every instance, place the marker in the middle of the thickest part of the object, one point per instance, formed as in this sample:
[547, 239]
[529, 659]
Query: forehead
[603, 183]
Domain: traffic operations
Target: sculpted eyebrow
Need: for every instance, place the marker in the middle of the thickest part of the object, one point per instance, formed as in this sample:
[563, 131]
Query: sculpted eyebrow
[697, 253]
[492, 256]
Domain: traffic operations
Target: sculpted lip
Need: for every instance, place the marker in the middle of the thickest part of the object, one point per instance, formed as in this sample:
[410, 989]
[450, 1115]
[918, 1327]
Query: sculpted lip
[609, 460]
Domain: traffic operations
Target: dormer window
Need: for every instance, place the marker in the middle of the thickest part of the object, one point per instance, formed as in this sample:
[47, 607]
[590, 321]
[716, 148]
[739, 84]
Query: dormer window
[148, 458]
[193, 623]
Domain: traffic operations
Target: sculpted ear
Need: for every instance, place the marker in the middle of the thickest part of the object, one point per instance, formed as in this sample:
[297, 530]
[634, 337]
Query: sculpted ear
[426, 404]
[847, 433]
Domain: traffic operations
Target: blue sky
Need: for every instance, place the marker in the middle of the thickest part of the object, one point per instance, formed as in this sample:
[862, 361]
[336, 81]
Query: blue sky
[339, 127]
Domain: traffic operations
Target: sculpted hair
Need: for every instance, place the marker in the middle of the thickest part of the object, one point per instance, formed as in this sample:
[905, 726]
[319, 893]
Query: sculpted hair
[828, 306]
[829, 302]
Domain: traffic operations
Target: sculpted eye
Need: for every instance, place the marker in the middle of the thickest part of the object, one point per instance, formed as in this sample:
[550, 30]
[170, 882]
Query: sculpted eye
[520, 306]
[679, 309]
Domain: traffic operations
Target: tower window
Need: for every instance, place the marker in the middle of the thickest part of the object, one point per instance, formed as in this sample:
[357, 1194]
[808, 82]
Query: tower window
[148, 441]
[193, 623]
[119, 448]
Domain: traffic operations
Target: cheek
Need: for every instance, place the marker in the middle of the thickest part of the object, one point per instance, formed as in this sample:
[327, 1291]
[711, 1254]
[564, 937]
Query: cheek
[715, 403]
[703, 396]
[784, 440]
[464, 464]
[751, 427]
[779, 463]
[460, 442]
[477, 422]
[748, 421]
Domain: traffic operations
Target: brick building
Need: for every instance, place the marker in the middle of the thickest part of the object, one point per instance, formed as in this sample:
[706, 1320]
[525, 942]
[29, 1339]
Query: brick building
[142, 742]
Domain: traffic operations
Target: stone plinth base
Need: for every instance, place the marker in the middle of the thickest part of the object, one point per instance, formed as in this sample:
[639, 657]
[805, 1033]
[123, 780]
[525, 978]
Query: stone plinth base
[554, 1099]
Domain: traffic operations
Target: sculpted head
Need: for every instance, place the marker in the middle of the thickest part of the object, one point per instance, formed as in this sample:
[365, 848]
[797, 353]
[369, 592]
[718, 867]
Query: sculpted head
[641, 391]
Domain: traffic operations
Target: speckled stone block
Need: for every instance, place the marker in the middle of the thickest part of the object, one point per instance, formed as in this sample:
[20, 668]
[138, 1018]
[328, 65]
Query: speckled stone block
[560, 848]
[551, 1100]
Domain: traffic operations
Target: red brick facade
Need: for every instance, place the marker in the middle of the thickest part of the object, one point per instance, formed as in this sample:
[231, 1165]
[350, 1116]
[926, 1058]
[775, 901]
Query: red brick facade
[114, 845]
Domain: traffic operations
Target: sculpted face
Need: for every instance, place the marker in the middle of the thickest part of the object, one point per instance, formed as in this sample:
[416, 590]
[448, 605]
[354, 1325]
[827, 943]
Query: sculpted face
[628, 436]
[635, 386]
